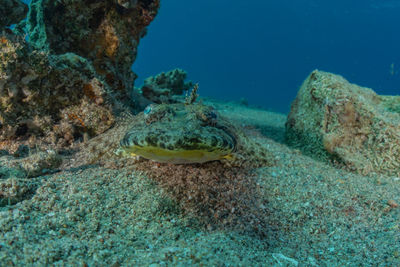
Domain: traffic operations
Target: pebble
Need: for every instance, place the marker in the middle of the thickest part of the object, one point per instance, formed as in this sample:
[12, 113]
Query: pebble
[393, 204]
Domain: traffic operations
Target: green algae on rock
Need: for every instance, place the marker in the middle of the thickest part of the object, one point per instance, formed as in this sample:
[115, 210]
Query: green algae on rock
[346, 123]
[189, 133]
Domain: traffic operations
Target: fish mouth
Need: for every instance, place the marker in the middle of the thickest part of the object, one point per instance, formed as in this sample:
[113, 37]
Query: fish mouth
[179, 156]
[180, 147]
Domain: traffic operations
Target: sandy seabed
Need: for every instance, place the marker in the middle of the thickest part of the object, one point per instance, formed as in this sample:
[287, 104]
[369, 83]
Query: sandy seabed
[318, 215]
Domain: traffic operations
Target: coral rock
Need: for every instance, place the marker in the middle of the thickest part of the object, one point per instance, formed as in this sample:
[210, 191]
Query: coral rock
[163, 87]
[38, 91]
[106, 33]
[347, 124]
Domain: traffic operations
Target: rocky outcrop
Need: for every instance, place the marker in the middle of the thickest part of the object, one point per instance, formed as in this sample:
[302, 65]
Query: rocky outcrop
[347, 124]
[72, 76]
[166, 86]
[11, 12]
[106, 33]
[57, 98]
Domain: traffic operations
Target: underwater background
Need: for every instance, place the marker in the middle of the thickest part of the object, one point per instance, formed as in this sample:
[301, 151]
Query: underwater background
[263, 50]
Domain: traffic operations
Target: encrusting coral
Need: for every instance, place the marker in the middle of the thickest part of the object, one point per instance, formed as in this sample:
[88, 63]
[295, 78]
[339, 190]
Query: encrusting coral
[166, 86]
[346, 123]
[39, 93]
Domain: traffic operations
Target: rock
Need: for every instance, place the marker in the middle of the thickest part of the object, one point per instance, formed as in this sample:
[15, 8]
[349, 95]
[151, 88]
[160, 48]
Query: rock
[35, 164]
[14, 190]
[11, 12]
[73, 76]
[9, 168]
[346, 124]
[14, 187]
[40, 163]
[106, 33]
[43, 95]
[163, 87]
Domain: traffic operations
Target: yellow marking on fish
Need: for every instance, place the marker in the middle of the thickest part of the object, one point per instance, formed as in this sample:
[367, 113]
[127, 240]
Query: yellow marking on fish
[180, 156]
[229, 157]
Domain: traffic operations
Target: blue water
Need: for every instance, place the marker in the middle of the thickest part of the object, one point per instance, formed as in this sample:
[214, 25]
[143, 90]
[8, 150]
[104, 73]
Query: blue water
[262, 50]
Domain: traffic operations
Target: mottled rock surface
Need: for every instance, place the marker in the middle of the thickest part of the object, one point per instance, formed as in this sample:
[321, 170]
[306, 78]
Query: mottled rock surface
[21, 175]
[11, 11]
[57, 98]
[73, 75]
[36, 163]
[164, 87]
[346, 123]
[106, 33]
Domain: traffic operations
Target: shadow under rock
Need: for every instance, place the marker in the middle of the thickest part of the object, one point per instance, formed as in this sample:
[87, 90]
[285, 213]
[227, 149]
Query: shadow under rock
[275, 133]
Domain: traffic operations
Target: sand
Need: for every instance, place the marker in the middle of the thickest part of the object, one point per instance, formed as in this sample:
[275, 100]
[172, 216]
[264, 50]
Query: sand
[315, 215]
